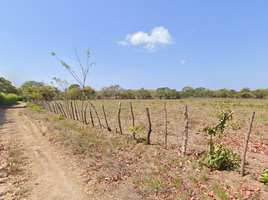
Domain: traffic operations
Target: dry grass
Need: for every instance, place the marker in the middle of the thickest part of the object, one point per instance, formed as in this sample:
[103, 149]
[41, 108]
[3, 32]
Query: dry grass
[119, 167]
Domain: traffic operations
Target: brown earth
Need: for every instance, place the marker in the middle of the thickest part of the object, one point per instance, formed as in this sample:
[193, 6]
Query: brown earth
[51, 175]
[66, 159]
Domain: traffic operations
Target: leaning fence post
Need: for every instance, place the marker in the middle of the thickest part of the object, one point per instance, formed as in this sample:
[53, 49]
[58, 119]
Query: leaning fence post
[185, 113]
[109, 129]
[131, 109]
[242, 172]
[91, 117]
[119, 122]
[149, 126]
[85, 118]
[165, 108]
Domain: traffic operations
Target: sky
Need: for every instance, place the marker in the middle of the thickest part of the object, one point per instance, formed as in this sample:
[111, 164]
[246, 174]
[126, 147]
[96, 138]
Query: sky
[134, 44]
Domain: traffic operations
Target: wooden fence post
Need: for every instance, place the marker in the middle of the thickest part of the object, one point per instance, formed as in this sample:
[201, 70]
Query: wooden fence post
[75, 111]
[242, 171]
[109, 129]
[165, 108]
[131, 109]
[73, 117]
[85, 117]
[65, 115]
[119, 122]
[185, 140]
[91, 117]
[149, 126]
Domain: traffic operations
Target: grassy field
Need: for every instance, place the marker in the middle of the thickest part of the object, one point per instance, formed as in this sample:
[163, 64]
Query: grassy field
[119, 167]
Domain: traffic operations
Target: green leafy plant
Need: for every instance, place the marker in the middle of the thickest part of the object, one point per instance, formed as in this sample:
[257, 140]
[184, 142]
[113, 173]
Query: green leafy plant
[142, 139]
[223, 116]
[58, 117]
[221, 158]
[264, 178]
[35, 107]
[134, 129]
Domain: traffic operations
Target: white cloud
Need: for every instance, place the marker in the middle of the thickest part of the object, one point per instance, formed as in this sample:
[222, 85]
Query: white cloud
[123, 43]
[183, 61]
[159, 36]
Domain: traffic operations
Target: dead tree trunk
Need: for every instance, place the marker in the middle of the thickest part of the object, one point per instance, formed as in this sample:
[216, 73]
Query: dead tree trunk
[185, 140]
[149, 126]
[165, 108]
[131, 109]
[109, 129]
[242, 172]
[119, 122]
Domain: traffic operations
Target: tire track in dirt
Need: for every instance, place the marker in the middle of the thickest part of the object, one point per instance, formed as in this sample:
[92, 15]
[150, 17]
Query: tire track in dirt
[51, 178]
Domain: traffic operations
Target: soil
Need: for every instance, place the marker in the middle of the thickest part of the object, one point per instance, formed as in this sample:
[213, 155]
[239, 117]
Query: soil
[65, 159]
[52, 174]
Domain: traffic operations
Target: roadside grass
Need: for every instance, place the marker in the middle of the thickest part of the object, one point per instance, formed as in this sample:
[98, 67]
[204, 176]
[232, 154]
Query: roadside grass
[117, 162]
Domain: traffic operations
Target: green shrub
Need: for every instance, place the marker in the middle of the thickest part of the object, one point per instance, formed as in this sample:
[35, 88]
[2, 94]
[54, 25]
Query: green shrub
[221, 158]
[8, 100]
[264, 178]
[142, 139]
[58, 117]
[37, 108]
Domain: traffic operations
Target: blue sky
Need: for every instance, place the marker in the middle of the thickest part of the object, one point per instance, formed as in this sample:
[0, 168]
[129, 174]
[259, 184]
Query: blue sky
[150, 44]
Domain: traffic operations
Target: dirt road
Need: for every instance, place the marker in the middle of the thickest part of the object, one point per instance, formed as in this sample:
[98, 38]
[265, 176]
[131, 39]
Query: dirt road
[53, 176]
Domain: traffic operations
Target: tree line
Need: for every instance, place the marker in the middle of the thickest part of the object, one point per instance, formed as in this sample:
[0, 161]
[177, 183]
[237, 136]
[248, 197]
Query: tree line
[39, 90]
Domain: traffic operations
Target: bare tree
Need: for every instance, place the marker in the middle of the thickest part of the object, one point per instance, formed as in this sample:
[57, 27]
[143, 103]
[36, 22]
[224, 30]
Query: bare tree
[83, 81]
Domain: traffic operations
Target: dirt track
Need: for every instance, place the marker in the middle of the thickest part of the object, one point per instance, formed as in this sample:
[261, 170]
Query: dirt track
[52, 175]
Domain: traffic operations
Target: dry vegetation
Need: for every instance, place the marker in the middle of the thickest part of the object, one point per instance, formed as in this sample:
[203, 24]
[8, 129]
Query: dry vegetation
[117, 167]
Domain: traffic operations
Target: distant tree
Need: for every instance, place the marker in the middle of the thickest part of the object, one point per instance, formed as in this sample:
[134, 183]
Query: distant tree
[209, 93]
[37, 90]
[74, 86]
[223, 93]
[174, 94]
[33, 84]
[260, 93]
[248, 95]
[106, 92]
[187, 91]
[88, 91]
[7, 87]
[246, 89]
[232, 94]
[48, 92]
[127, 94]
[163, 92]
[143, 93]
[199, 92]
[30, 90]
[167, 93]
[73, 93]
[115, 90]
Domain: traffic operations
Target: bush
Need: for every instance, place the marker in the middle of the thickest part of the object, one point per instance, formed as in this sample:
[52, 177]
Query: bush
[221, 158]
[37, 108]
[248, 95]
[8, 100]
